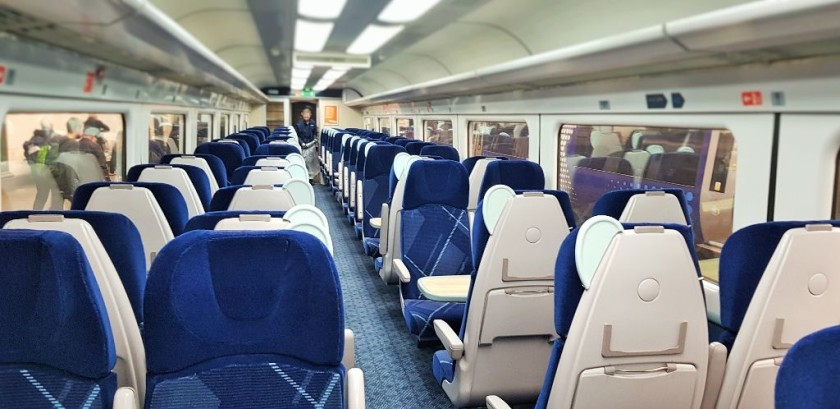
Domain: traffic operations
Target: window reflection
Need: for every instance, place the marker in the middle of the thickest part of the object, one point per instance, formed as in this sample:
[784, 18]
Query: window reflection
[508, 139]
[438, 131]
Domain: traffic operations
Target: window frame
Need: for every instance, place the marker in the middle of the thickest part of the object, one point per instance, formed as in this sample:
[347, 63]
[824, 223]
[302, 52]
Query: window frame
[456, 133]
[390, 120]
[413, 125]
[534, 131]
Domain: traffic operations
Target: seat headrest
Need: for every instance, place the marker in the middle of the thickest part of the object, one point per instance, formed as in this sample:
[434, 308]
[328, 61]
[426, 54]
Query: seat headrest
[214, 294]
[169, 199]
[442, 151]
[231, 155]
[196, 176]
[518, 174]
[808, 376]
[414, 147]
[404, 142]
[380, 159]
[276, 149]
[209, 220]
[52, 312]
[253, 159]
[613, 204]
[216, 165]
[436, 182]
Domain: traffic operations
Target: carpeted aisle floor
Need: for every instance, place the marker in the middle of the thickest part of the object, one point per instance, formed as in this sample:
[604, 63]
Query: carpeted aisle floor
[398, 374]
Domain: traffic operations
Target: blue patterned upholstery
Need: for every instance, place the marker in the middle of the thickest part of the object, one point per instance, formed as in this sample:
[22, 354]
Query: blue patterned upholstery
[216, 165]
[376, 190]
[169, 199]
[196, 175]
[209, 220]
[742, 263]
[810, 373]
[517, 174]
[228, 327]
[434, 237]
[613, 203]
[252, 141]
[122, 242]
[276, 149]
[441, 151]
[56, 346]
[230, 154]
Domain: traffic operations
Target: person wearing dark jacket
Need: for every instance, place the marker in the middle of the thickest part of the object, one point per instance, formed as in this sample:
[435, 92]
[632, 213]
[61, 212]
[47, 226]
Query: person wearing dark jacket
[89, 145]
[307, 133]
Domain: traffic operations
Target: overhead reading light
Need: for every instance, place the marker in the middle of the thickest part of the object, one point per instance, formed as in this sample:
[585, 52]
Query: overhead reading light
[321, 9]
[311, 36]
[372, 38]
[333, 74]
[302, 73]
[403, 11]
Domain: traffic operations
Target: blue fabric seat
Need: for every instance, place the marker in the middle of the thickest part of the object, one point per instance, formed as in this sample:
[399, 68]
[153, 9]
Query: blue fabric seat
[253, 159]
[414, 147]
[258, 134]
[169, 199]
[470, 162]
[122, 242]
[208, 221]
[196, 175]
[441, 151]
[252, 141]
[278, 138]
[230, 154]
[809, 375]
[216, 165]
[613, 203]
[435, 240]
[404, 142]
[228, 327]
[56, 345]
[517, 174]
[375, 191]
[276, 149]
[246, 149]
[221, 200]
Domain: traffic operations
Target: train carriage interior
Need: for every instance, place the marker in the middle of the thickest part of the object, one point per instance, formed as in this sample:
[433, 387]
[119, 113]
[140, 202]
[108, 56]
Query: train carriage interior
[420, 204]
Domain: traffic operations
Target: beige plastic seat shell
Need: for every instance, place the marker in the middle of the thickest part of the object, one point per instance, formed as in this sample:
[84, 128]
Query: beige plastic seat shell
[264, 197]
[201, 164]
[800, 273]
[178, 178]
[476, 179]
[393, 249]
[131, 357]
[510, 321]
[252, 222]
[141, 207]
[653, 207]
[277, 162]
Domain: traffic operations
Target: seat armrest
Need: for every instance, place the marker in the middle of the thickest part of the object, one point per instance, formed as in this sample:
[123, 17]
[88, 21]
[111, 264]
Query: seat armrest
[355, 389]
[126, 398]
[375, 222]
[495, 402]
[714, 375]
[360, 200]
[449, 339]
[402, 271]
[383, 229]
[349, 359]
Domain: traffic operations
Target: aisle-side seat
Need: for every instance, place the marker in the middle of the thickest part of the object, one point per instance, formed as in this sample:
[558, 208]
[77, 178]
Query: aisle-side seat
[274, 148]
[231, 155]
[266, 160]
[157, 210]
[264, 197]
[212, 166]
[131, 363]
[631, 318]
[242, 144]
[277, 322]
[56, 345]
[252, 141]
[268, 175]
[375, 192]
[810, 372]
[389, 245]
[519, 237]
[433, 240]
[356, 216]
[764, 270]
[191, 181]
[644, 206]
[415, 147]
[441, 151]
[350, 168]
[478, 170]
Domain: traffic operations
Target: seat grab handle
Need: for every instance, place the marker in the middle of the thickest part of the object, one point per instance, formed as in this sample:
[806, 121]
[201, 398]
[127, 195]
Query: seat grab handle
[608, 352]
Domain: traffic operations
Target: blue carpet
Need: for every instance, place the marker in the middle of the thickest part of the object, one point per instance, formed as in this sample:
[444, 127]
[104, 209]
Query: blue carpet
[398, 374]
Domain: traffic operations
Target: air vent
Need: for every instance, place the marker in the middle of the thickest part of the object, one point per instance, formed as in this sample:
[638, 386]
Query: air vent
[331, 60]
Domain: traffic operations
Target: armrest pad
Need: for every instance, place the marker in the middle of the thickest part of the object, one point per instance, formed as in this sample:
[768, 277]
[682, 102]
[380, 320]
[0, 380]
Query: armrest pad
[714, 375]
[383, 229]
[349, 359]
[449, 339]
[375, 222]
[495, 402]
[402, 271]
[126, 398]
[360, 200]
[355, 389]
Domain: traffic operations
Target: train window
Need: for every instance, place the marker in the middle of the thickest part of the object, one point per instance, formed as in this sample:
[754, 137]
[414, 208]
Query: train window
[48, 155]
[369, 123]
[509, 139]
[245, 122]
[405, 127]
[223, 128]
[438, 131]
[204, 128]
[166, 135]
[385, 125]
[596, 159]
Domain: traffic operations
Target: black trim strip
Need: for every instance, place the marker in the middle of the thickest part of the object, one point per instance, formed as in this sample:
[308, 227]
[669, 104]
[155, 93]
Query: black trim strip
[774, 163]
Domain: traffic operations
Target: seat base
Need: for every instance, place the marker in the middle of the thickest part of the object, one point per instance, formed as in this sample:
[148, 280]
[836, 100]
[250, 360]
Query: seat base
[420, 314]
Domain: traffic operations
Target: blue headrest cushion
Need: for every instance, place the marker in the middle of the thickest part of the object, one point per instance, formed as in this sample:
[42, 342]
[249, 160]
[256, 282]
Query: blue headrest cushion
[380, 159]
[613, 203]
[251, 140]
[196, 175]
[517, 174]
[213, 294]
[414, 147]
[209, 220]
[169, 199]
[436, 182]
[216, 165]
[809, 375]
[230, 154]
[442, 151]
[253, 159]
[52, 312]
[243, 144]
[405, 141]
[121, 240]
[276, 149]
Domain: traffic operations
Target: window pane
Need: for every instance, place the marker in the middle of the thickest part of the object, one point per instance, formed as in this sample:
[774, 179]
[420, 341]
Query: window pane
[405, 127]
[438, 131]
[595, 159]
[385, 125]
[369, 123]
[166, 135]
[205, 124]
[509, 139]
[47, 155]
[223, 130]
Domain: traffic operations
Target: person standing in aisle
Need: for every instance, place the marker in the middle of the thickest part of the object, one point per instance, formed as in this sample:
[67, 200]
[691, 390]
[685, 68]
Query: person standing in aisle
[307, 133]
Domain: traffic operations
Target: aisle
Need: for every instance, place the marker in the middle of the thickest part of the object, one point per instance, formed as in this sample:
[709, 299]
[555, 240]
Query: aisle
[398, 374]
